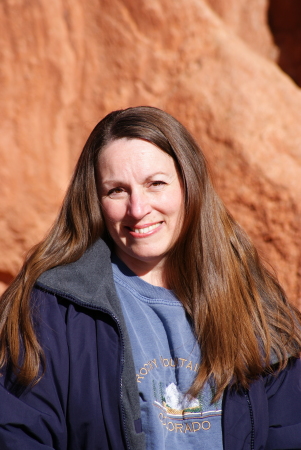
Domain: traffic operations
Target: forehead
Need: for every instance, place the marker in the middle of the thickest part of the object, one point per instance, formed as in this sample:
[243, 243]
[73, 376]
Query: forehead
[124, 146]
[136, 154]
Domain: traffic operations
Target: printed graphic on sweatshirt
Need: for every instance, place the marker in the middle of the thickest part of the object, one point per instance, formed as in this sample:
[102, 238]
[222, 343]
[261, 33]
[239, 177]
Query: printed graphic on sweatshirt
[177, 411]
[165, 362]
[177, 405]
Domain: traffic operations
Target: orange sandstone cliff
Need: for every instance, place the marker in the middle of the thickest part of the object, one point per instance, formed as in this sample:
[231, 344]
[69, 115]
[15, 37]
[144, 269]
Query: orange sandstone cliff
[228, 69]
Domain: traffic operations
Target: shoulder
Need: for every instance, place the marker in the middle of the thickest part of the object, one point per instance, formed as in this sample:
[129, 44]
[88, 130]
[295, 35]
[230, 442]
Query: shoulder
[47, 309]
[49, 317]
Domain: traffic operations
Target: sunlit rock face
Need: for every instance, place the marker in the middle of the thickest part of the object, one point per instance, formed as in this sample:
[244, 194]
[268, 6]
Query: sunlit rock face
[213, 65]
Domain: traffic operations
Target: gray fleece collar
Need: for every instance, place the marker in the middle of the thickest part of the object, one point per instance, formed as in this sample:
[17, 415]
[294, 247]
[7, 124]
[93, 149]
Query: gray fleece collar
[89, 280]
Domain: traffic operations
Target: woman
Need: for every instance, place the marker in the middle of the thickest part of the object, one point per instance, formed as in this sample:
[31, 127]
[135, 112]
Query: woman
[145, 318]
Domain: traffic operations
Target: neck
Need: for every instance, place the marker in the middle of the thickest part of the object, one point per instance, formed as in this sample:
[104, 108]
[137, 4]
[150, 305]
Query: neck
[155, 278]
[152, 273]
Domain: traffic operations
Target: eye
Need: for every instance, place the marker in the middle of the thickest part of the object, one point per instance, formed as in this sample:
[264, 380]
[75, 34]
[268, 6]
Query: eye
[116, 192]
[157, 183]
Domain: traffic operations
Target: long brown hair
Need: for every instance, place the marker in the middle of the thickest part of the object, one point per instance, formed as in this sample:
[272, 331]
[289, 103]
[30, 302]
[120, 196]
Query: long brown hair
[240, 314]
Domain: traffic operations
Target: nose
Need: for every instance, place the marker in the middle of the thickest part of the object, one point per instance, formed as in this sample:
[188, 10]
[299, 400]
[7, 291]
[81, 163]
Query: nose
[139, 205]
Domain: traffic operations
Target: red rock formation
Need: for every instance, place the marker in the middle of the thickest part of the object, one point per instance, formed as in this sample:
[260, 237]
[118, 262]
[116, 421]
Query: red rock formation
[66, 64]
[249, 21]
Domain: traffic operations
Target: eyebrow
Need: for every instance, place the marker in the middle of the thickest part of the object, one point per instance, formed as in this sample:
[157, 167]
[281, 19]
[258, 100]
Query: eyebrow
[117, 181]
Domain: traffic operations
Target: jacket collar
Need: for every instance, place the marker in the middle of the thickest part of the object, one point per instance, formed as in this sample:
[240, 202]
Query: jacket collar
[87, 281]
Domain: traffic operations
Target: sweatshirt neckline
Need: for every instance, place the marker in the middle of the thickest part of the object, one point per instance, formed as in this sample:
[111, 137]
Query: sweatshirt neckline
[123, 274]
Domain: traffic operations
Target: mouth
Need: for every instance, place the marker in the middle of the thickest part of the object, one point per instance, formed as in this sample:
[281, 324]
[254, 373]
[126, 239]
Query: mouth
[145, 229]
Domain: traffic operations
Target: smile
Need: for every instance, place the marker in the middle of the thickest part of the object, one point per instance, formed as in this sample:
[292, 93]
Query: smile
[146, 229]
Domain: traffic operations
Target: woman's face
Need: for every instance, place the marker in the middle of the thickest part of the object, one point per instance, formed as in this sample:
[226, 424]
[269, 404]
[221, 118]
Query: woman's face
[141, 200]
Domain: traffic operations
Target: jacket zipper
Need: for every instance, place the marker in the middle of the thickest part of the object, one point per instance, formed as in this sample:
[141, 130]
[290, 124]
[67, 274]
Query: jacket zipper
[246, 392]
[120, 381]
[97, 308]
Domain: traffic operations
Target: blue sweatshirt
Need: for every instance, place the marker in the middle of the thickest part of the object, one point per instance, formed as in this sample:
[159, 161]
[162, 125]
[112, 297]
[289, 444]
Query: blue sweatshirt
[166, 357]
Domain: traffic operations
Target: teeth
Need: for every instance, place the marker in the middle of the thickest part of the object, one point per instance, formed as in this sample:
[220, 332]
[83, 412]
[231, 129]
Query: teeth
[146, 229]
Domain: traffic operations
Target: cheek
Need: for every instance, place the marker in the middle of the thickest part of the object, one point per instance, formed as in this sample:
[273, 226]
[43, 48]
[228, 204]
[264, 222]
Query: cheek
[175, 205]
[112, 212]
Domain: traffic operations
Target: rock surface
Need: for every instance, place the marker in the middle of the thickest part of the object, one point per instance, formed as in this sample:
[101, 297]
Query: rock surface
[65, 64]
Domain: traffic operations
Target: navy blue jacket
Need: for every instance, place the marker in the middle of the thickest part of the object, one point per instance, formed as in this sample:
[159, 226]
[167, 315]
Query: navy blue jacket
[88, 397]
